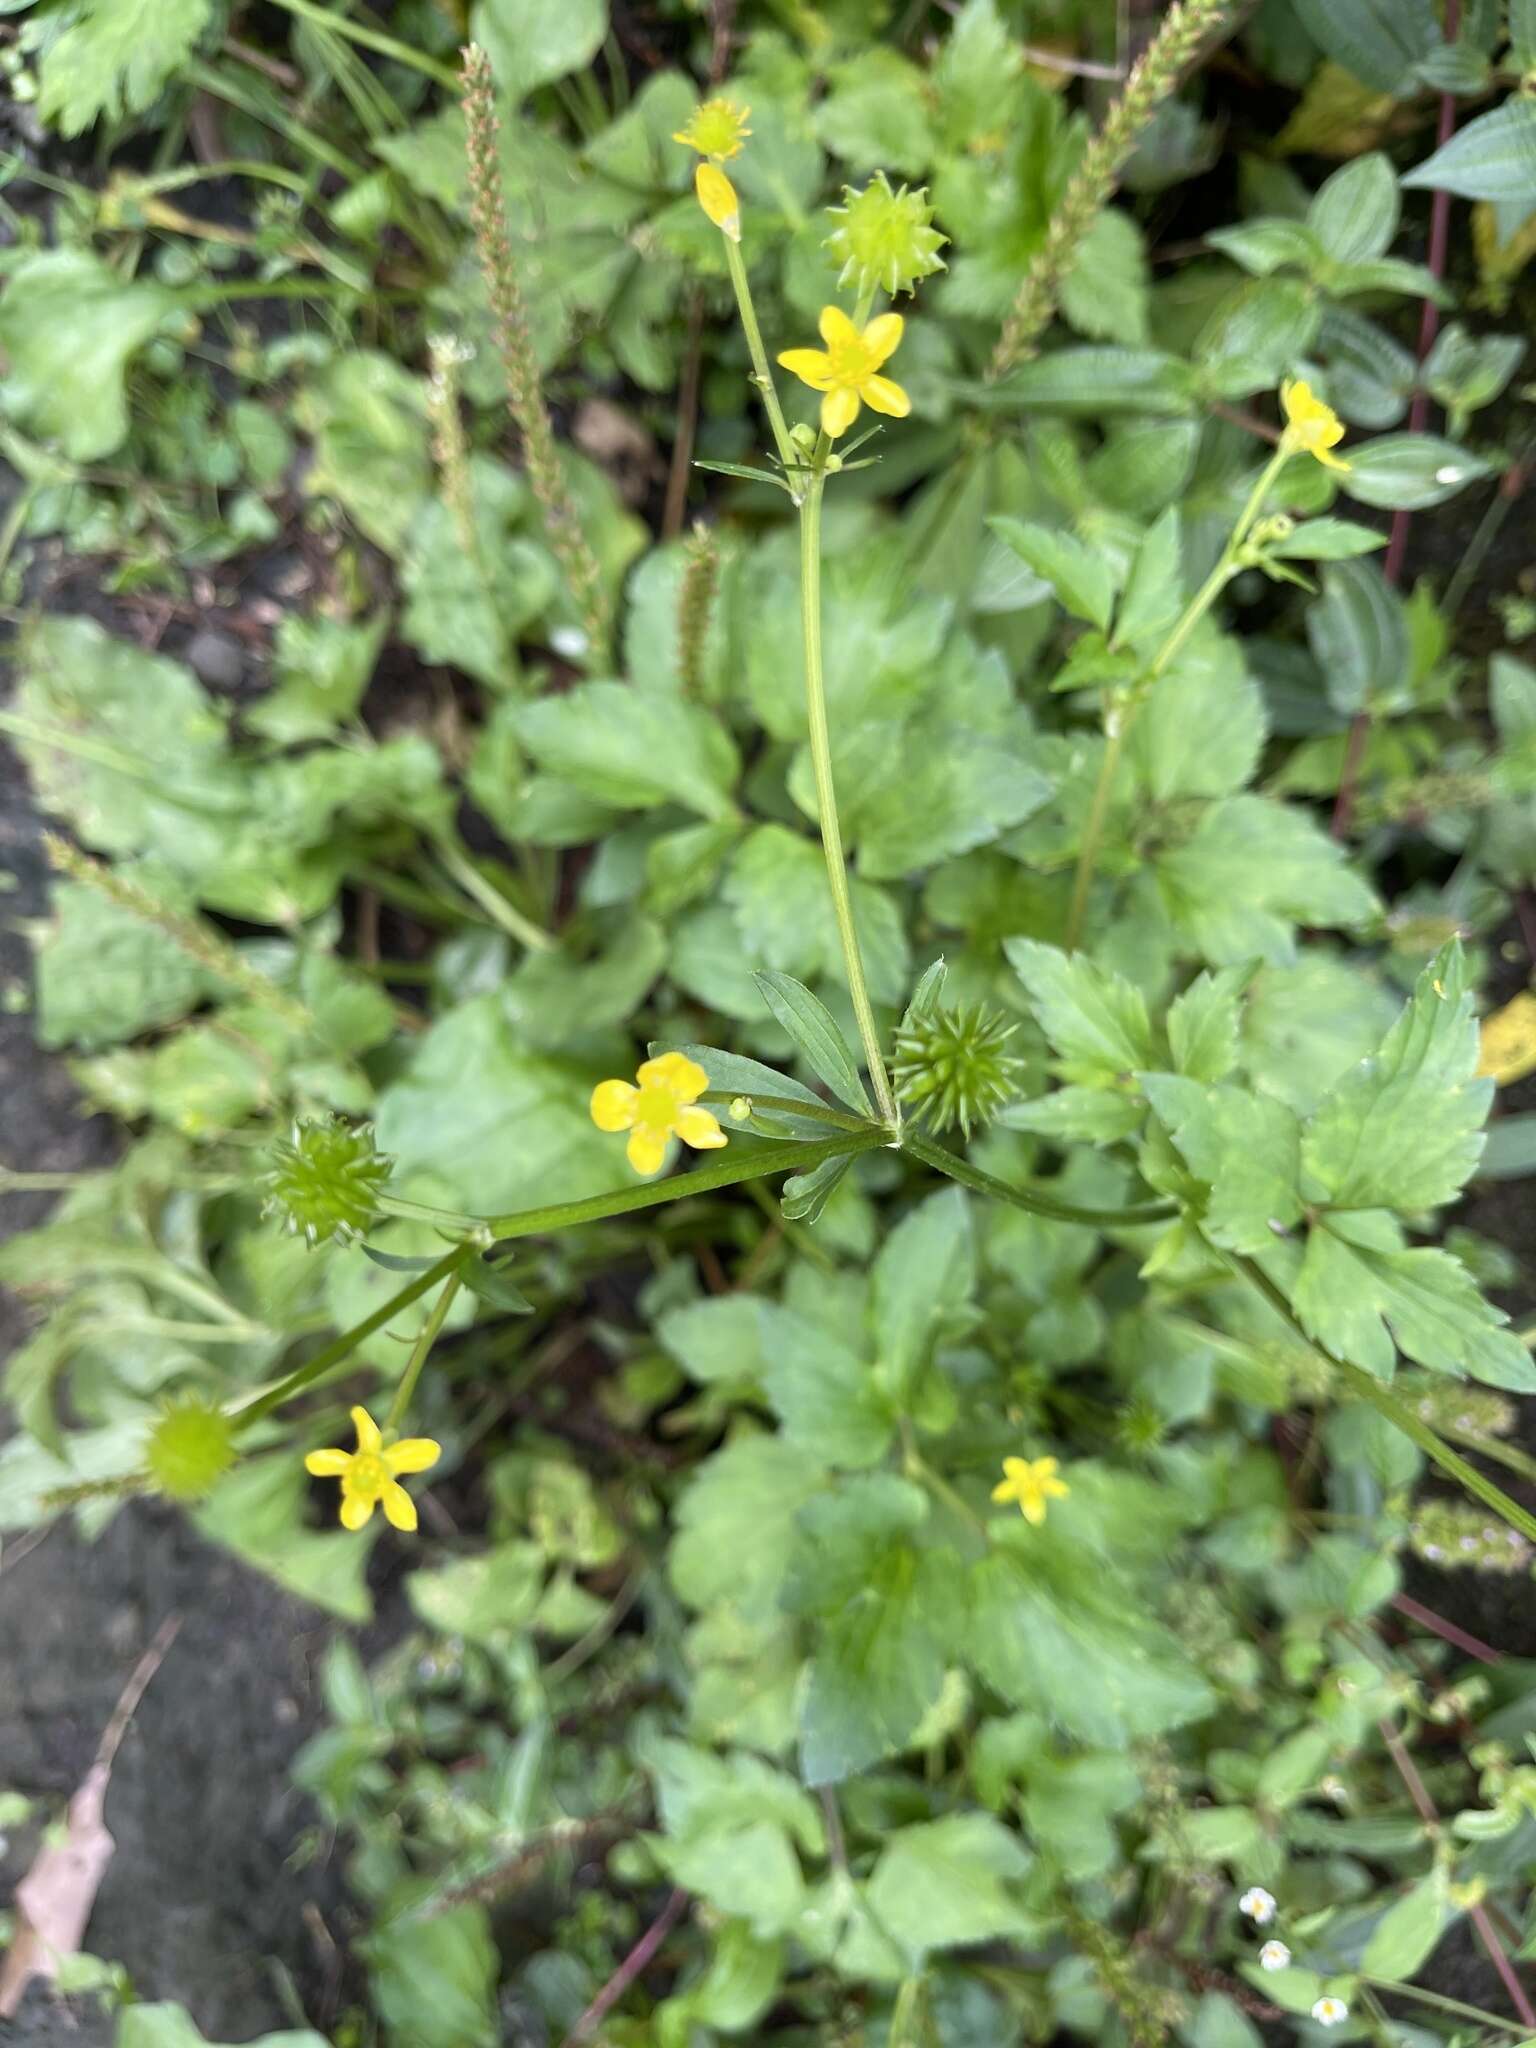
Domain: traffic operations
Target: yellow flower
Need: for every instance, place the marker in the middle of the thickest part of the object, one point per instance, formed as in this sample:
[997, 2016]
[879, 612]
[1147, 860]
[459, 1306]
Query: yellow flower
[1031, 1482]
[718, 129]
[1507, 1041]
[371, 1473]
[717, 196]
[1310, 425]
[662, 1104]
[847, 371]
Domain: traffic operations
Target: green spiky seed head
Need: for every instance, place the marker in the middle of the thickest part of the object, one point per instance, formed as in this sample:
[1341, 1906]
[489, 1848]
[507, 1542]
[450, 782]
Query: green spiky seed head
[885, 240]
[191, 1446]
[325, 1182]
[953, 1067]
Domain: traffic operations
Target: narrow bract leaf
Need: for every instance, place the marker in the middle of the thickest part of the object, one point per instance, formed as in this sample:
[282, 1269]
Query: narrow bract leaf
[811, 1025]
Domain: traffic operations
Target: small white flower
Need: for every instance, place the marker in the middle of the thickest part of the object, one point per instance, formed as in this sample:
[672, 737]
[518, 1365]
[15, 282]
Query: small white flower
[1330, 2012]
[1258, 1904]
[1274, 1955]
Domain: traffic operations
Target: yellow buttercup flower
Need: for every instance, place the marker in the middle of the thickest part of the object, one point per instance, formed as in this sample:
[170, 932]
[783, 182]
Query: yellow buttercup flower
[1032, 1482]
[657, 1105]
[1507, 1041]
[718, 129]
[370, 1475]
[847, 371]
[1311, 427]
[717, 196]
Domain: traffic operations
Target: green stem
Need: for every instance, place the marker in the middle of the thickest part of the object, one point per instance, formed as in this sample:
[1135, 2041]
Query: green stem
[1038, 1203]
[762, 376]
[430, 1331]
[456, 1220]
[1393, 1408]
[1120, 713]
[826, 799]
[374, 39]
[341, 1347]
[790, 1105]
[789, 1157]
[1443, 2004]
[490, 899]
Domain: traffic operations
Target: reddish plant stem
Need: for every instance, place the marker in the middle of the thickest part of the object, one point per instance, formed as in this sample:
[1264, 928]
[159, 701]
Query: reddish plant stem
[638, 1958]
[1447, 1631]
[1418, 418]
[1487, 1933]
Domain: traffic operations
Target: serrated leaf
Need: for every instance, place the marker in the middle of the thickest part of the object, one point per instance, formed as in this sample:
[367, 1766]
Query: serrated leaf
[1095, 1019]
[734, 1828]
[824, 1394]
[735, 1524]
[1247, 1147]
[632, 747]
[811, 1025]
[926, 1268]
[1404, 1129]
[1154, 589]
[114, 57]
[1252, 870]
[75, 395]
[1203, 1023]
[1079, 574]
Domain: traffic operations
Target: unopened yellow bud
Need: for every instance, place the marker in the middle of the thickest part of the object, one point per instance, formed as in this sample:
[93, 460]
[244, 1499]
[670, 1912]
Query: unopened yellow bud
[717, 196]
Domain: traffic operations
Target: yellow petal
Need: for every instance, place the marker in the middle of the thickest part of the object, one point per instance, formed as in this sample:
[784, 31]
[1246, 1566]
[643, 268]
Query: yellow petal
[1330, 461]
[1003, 1490]
[717, 196]
[1034, 1510]
[675, 1072]
[354, 1510]
[698, 1128]
[836, 329]
[885, 396]
[368, 1437]
[811, 365]
[327, 1464]
[646, 1150]
[399, 1508]
[1295, 398]
[1043, 1468]
[413, 1454]
[613, 1105]
[1016, 1469]
[882, 337]
[839, 410]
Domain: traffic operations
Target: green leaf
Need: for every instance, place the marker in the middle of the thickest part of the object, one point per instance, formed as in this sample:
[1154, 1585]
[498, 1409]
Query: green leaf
[532, 42]
[1246, 1147]
[1326, 540]
[719, 1338]
[1406, 1935]
[1380, 41]
[489, 1598]
[735, 1829]
[1493, 157]
[776, 886]
[73, 395]
[257, 1511]
[433, 1978]
[633, 748]
[1359, 1294]
[1359, 634]
[926, 1268]
[1077, 573]
[321, 667]
[804, 1196]
[1289, 1772]
[104, 975]
[1354, 213]
[1265, 246]
[1410, 472]
[113, 58]
[824, 1394]
[171, 2026]
[1522, 34]
[735, 1524]
[368, 418]
[1404, 1129]
[946, 1883]
[1090, 382]
[1095, 1019]
[810, 1024]
[1203, 1024]
[491, 1284]
[885, 1609]
[468, 605]
[1252, 869]
[1154, 589]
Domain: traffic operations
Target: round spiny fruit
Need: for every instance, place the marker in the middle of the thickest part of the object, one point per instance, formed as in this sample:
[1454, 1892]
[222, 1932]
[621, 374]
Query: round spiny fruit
[953, 1067]
[885, 240]
[190, 1447]
[326, 1181]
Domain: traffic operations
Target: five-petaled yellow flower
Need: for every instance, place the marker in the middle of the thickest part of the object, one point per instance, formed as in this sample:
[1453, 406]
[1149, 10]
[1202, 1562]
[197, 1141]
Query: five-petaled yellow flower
[658, 1103]
[847, 371]
[370, 1475]
[1310, 426]
[1032, 1482]
[718, 128]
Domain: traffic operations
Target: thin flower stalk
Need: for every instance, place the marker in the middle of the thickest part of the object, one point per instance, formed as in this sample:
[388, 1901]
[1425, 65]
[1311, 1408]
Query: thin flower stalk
[1155, 75]
[525, 391]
